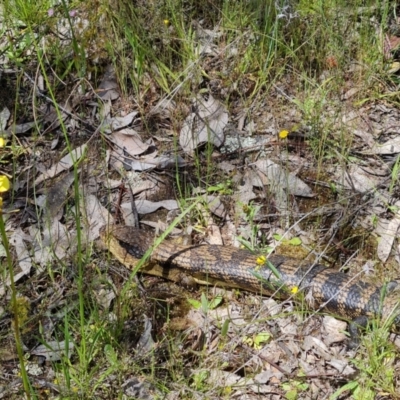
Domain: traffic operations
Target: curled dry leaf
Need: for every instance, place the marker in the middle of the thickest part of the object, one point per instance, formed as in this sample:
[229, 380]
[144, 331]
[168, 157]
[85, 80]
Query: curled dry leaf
[24, 260]
[146, 343]
[350, 93]
[116, 123]
[4, 117]
[366, 136]
[19, 129]
[23, 257]
[388, 232]
[342, 366]
[162, 227]
[64, 164]
[95, 216]
[220, 378]
[391, 146]
[205, 125]
[334, 330]
[57, 242]
[54, 351]
[319, 347]
[145, 207]
[244, 193]
[216, 206]
[56, 196]
[358, 179]
[163, 162]
[53, 117]
[130, 142]
[278, 178]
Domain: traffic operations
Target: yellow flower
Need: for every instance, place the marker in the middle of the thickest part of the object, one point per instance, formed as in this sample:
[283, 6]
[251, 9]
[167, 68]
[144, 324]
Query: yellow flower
[248, 340]
[2, 142]
[294, 289]
[166, 22]
[261, 260]
[227, 390]
[283, 134]
[4, 184]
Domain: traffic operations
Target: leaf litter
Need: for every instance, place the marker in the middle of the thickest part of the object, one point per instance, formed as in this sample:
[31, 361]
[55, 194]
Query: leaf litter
[315, 345]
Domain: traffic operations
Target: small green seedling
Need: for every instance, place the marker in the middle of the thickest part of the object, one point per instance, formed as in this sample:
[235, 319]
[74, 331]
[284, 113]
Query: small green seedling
[204, 304]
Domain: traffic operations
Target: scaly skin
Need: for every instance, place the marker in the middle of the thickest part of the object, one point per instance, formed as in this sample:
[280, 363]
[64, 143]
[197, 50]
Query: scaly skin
[323, 287]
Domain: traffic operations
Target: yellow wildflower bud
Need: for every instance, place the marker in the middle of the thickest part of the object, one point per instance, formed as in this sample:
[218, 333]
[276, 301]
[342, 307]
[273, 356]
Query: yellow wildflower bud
[4, 184]
[294, 289]
[283, 134]
[261, 260]
[2, 142]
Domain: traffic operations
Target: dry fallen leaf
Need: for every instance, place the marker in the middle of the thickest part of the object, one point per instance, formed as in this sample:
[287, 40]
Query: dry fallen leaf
[244, 192]
[165, 161]
[53, 350]
[160, 226]
[95, 216]
[130, 142]
[206, 125]
[19, 129]
[281, 178]
[4, 117]
[319, 347]
[358, 179]
[116, 123]
[350, 93]
[64, 164]
[391, 146]
[56, 196]
[57, 242]
[53, 117]
[366, 136]
[145, 207]
[220, 378]
[24, 260]
[388, 231]
[342, 366]
[334, 330]
[146, 343]
[216, 206]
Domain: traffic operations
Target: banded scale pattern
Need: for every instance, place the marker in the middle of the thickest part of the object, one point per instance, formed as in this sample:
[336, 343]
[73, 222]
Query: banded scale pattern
[323, 287]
